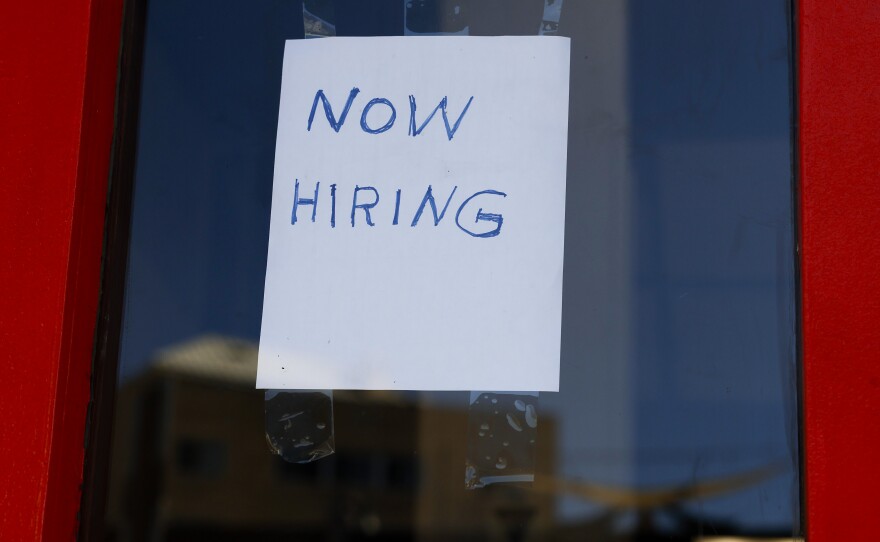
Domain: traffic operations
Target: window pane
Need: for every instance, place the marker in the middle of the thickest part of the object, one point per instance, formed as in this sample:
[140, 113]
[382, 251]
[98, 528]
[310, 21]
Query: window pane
[677, 415]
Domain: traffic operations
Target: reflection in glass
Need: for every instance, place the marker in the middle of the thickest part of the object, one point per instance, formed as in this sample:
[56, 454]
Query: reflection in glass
[676, 418]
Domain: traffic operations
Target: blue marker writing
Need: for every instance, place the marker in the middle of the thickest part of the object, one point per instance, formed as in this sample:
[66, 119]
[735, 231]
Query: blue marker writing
[450, 130]
[429, 198]
[297, 201]
[481, 216]
[365, 206]
[387, 125]
[328, 111]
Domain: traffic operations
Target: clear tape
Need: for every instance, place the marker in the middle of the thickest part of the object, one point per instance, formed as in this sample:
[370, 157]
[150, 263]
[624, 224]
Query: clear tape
[319, 18]
[299, 424]
[502, 438]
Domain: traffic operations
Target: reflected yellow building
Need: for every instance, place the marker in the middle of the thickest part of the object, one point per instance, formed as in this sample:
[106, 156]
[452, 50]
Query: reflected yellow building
[191, 462]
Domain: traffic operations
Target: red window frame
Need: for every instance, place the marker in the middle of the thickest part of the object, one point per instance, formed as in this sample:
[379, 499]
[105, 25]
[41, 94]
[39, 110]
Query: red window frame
[838, 88]
[58, 76]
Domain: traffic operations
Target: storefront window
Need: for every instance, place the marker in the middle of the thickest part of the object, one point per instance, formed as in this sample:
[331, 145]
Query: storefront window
[677, 416]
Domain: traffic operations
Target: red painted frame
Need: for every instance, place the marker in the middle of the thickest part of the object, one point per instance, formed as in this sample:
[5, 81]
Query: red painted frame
[58, 73]
[839, 113]
[58, 70]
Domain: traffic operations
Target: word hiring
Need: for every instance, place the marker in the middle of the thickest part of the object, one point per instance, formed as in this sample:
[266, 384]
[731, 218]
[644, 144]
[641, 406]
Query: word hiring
[414, 128]
[366, 198]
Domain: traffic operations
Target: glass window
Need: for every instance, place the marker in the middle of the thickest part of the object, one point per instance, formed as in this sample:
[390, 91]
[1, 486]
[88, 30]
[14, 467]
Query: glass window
[677, 417]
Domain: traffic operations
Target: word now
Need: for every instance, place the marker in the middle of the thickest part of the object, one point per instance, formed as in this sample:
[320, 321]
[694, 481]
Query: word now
[414, 128]
[361, 193]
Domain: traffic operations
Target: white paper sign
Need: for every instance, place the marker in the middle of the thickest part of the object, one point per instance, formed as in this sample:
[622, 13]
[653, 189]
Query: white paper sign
[417, 222]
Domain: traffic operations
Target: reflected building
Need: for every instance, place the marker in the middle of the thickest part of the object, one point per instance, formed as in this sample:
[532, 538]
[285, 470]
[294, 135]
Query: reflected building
[191, 462]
